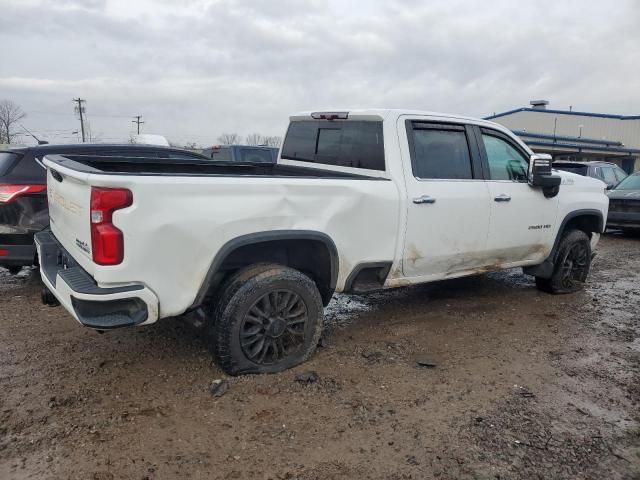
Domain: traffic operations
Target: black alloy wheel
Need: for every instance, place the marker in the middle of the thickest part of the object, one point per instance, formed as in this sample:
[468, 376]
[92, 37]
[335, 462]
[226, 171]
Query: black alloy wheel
[274, 327]
[575, 266]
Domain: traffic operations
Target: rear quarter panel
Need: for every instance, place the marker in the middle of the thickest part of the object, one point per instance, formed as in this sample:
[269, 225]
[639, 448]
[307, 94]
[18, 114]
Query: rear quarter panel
[176, 225]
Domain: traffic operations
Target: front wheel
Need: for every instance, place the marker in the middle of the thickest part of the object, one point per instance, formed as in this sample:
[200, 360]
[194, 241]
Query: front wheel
[268, 318]
[571, 266]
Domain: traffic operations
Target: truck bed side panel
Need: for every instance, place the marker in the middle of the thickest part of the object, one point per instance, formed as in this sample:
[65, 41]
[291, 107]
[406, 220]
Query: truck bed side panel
[176, 225]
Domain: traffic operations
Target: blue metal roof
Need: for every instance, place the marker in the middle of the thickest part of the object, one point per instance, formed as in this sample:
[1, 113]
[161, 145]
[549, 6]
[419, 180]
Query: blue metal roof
[565, 112]
[581, 147]
[561, 138]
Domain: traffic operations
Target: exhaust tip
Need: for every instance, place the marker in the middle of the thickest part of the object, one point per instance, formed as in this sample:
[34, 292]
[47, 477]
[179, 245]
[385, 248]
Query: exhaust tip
[48, 298]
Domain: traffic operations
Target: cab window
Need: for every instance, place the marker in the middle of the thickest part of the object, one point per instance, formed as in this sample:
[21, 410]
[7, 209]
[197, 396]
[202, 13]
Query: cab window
[505, 161]
[440, 151]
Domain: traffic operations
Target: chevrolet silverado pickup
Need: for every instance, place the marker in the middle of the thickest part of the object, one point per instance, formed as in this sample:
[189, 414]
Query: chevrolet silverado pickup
[359, 200]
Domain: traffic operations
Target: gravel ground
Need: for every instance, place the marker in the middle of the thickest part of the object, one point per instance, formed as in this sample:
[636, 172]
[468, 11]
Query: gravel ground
[515, 384]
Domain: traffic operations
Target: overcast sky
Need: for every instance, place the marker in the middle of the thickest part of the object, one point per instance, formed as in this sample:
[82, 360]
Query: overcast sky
[197, 68]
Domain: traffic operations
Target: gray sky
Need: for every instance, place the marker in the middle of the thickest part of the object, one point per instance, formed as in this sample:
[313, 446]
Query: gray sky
[197, 68]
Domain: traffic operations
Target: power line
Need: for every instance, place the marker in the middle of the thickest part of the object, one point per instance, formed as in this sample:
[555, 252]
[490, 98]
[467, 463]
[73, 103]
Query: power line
[80, 110]
[41, 112]
[137, 121]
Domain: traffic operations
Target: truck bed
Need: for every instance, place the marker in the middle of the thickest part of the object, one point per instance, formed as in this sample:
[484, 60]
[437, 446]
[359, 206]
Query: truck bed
[138, 166]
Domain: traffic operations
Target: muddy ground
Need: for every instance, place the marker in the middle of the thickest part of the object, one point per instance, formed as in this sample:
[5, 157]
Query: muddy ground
[525, 385]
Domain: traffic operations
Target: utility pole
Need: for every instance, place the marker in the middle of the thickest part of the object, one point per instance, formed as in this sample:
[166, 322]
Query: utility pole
[137, 121]
[80, 110]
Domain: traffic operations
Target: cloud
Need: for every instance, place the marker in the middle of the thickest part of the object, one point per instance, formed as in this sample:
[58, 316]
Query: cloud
[195, 68]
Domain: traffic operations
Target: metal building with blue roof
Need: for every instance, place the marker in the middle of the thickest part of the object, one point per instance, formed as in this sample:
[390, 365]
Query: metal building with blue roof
[576, 135]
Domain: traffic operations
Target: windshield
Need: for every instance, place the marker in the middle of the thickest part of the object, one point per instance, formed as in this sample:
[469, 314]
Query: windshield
[632, 182]
[218, 153]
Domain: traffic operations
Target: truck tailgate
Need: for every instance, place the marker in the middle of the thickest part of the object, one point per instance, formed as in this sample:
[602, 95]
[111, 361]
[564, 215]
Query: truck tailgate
[69, 195]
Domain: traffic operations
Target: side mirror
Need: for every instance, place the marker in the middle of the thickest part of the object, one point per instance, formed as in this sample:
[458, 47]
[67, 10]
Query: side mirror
[540, 174]
[539, 166]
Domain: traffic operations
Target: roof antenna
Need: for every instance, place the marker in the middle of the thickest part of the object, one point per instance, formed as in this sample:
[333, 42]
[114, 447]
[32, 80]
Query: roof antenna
[40, 142]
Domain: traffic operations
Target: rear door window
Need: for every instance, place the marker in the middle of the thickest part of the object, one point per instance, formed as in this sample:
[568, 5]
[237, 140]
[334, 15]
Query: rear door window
[350, 143]
[440, 152]
[256, 155]
[7, 160]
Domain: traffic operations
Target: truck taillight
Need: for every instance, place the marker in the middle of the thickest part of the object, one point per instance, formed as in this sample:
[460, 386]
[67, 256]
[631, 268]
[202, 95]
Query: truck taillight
[107, 241]
[11, 192]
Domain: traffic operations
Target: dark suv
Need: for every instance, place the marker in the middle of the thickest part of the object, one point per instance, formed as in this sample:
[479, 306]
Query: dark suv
[609, 173]
[242, 153]
[624, 205]
[23, 197]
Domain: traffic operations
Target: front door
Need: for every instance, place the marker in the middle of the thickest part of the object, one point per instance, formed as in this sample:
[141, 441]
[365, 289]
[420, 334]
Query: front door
[448, 204]
[522, 218]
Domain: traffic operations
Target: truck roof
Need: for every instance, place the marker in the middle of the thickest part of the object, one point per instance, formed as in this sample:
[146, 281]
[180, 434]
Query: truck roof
[389, 113]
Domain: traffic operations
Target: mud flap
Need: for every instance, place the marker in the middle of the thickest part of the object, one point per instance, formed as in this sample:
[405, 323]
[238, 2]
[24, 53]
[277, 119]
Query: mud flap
[544, 270]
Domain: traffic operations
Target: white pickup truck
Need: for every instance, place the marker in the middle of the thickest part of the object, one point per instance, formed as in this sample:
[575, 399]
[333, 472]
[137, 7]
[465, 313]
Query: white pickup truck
[358, 201]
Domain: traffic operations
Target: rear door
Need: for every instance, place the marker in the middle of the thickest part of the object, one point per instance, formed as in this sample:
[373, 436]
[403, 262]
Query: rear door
[522, 218]
[448, 204]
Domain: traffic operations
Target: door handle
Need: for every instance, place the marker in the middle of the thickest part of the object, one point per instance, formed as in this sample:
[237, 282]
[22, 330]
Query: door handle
[503, 197]
[424, 199]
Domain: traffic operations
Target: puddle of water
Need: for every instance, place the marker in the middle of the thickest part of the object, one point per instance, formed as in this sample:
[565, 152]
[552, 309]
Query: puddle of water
[344, 309]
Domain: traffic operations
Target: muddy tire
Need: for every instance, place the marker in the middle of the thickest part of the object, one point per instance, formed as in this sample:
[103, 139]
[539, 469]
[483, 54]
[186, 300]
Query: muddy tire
[571, 266]
[268, 318]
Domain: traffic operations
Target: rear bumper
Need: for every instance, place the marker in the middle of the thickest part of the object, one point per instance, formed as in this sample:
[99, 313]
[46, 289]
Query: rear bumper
[623, 220]
[93, 306]
[17, 255]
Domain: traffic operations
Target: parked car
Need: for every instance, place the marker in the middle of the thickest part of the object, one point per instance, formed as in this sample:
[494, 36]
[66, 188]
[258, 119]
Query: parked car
[624, 205]
[242, 153]
[23, 200]
[610, 173]
[358, 201]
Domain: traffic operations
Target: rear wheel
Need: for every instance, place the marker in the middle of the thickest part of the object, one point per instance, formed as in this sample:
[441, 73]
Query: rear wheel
[268, 318]
[571, 266]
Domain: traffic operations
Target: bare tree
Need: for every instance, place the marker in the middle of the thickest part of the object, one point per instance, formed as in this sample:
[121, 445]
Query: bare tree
[229, 138]
[274, 141]
[10, 114]
[255, 139]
